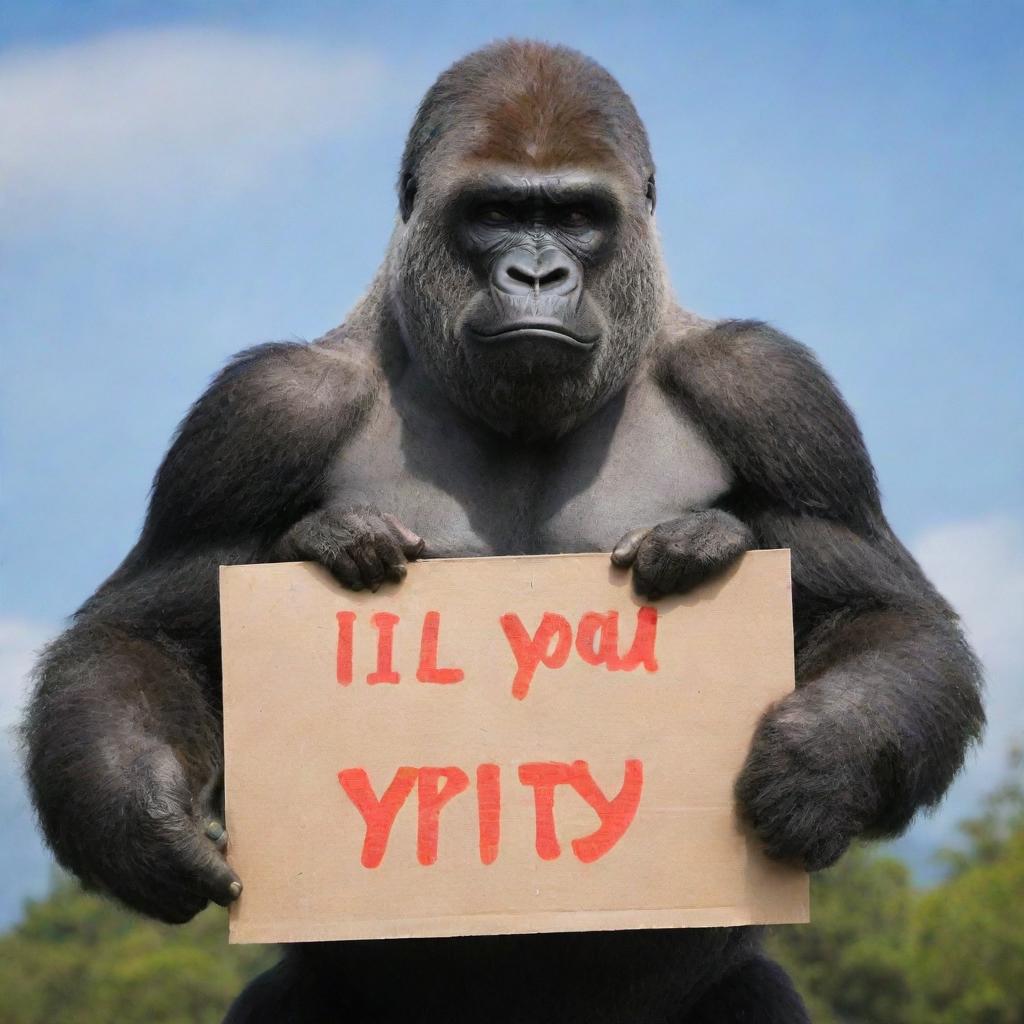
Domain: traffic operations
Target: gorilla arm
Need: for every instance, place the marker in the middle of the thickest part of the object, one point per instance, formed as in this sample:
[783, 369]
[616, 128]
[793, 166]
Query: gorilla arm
[124, 746]
[888, 692]
[123, 731]
[886, 705]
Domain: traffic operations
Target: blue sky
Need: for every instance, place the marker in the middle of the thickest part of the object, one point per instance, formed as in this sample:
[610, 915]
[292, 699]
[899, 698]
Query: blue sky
[181, 180]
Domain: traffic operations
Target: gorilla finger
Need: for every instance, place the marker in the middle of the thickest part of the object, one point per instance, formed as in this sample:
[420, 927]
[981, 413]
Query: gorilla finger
[344, 569]
[652, 586]
[412, 544]
[364, 553]
[656, 571]
[624, 553]
[693, 576]
[208, 873]
[391, 557]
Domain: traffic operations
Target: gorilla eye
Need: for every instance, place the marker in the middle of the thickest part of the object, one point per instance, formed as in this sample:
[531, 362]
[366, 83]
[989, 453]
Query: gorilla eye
[494, 215]
[576, 217]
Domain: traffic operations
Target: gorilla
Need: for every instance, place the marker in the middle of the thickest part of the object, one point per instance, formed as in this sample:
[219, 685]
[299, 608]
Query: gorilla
[517, 379]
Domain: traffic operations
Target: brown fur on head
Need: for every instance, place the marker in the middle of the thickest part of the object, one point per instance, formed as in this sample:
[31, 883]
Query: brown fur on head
[531, 105]
[544, 121]
[523, 109]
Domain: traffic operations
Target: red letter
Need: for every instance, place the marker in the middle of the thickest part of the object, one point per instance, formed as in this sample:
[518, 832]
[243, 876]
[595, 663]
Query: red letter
[531, 653]
[544, 776]
[384, 623]
[345, 620]
[616, 814]
[590, 626]
[432, 800]
[428, 672]
[379, 815]
[488, 805]
[642, 651]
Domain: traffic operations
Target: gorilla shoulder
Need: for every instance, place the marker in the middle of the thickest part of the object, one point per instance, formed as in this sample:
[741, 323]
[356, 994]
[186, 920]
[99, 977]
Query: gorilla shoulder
[775, 415]
[253, 447]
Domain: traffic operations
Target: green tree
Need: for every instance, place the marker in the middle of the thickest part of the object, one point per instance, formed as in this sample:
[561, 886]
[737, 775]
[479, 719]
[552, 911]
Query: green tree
[985, 838]
[968, 933]
[968, 966]
[78, 959]
[850, 963]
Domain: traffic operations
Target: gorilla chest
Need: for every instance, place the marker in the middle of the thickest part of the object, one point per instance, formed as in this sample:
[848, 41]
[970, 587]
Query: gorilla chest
[636, 463]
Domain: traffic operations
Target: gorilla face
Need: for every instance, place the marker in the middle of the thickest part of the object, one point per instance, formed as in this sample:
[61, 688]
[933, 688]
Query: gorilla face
[526, 275]
[531, 241]
[529, 297]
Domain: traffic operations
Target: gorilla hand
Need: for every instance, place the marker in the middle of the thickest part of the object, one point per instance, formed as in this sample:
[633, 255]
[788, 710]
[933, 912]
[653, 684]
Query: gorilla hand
[159, 849]
[360, 546]
[675, 556]
[805, 791]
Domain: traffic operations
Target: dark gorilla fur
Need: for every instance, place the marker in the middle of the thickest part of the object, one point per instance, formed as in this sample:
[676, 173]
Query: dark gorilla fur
[517, 379]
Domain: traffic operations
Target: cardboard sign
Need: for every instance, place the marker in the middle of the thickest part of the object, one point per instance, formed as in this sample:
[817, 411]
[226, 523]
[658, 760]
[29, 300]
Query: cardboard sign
[498, 745]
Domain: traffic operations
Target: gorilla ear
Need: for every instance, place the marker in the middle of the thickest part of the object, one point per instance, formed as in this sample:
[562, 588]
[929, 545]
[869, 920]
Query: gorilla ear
[406, 194]
[652, 194]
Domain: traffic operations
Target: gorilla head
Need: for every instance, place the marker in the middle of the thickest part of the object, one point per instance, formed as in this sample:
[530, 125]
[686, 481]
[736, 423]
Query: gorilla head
[525, 271]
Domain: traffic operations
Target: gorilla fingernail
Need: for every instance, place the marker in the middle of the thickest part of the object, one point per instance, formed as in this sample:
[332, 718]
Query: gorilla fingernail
[215, 830]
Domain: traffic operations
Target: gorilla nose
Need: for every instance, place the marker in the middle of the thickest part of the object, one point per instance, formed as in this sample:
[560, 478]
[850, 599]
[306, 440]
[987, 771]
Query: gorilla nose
[519, 273]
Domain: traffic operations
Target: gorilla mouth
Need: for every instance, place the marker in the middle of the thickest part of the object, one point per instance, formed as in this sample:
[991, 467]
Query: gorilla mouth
[552, 330]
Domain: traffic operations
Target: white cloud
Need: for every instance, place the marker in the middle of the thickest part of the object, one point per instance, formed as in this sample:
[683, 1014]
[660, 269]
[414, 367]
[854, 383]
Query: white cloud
[133, 117]
[978, 565]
